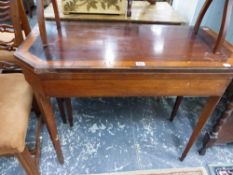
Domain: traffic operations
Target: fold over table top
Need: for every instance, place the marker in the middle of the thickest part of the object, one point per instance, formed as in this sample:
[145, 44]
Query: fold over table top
[107, 46]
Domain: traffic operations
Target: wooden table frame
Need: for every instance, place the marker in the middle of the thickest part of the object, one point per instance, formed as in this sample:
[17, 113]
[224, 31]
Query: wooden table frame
[43, 87]
[168, 78]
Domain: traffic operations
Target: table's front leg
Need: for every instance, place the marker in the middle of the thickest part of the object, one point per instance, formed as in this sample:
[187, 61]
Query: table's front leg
[207, 111]
[48, 116]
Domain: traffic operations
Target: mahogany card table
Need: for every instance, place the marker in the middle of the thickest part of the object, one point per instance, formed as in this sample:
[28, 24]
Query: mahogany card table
[105, 59]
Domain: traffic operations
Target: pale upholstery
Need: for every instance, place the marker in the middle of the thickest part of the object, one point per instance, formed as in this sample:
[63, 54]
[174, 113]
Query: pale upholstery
[6, 36]
[15, 106]
[6, 55]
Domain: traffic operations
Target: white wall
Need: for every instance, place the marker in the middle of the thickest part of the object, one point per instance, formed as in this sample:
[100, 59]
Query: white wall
[191, 8]
[214, 16]
[186, 8]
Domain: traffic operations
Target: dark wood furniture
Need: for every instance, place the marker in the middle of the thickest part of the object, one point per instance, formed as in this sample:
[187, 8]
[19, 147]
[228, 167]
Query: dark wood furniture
[107, 59]
[64, 104]
[221, 37]
[222, 131]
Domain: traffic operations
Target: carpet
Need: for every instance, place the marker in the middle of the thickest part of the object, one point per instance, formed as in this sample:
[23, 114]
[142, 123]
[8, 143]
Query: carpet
[181, 171]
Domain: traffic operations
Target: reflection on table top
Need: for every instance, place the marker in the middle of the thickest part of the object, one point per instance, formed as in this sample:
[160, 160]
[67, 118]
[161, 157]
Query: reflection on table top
[124, 46]
[142, 11]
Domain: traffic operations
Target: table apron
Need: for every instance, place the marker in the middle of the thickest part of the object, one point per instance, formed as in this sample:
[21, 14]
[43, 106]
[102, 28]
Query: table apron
[134, 87]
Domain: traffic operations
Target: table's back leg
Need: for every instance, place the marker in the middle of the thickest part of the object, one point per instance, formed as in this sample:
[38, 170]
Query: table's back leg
[225, 24]
[60, 103]
[207, 111]
[179, 99]
[201, 16]
[69, 110]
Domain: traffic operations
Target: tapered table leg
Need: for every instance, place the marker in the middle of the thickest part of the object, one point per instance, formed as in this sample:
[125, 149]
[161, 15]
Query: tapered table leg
[60, 103]
[207, 111]
[176, 107]
[69, 110]
[46, 109]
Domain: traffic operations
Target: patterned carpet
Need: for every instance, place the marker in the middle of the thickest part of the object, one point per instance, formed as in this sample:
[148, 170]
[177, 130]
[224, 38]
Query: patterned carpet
[124, 134]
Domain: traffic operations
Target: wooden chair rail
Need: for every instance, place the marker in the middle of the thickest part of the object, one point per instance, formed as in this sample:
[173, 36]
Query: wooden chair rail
[224, 24]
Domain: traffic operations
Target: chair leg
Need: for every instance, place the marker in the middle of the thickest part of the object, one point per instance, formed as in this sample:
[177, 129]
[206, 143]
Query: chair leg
[56, 13]
[41, 21]
[69, 110]
[176, 107]
[201, 16]
[27, 161]
[129, 8]
[61, 109]
[153, 2]
[225, 24]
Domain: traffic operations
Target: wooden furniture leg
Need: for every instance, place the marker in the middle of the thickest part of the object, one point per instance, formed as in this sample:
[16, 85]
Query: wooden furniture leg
[35, 107]
[201, 16]
[69, 110]
[212, 137]
[60, 102]
[225, 24]
[46, 109]
[28, 162]
[129, 8]
[176, 107]
[56, 13]
[152, 1]
[41, 21]
[207, 111]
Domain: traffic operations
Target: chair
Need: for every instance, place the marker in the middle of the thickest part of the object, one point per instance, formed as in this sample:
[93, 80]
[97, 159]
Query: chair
[12, 34]
[219, 41]
[15, 105]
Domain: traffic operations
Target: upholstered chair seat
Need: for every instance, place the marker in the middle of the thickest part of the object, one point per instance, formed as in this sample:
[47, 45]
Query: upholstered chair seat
[15, 106]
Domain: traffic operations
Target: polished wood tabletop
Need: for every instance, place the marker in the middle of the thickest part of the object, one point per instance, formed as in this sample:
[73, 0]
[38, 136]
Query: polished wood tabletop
[124, 46]
[106, 59]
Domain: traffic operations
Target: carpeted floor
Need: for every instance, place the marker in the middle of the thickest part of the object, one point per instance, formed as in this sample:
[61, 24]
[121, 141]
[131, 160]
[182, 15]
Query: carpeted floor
[124, 134]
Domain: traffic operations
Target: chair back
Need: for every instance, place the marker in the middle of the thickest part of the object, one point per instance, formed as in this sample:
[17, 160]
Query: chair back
[14, 25]
[224, 24]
